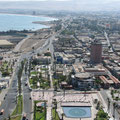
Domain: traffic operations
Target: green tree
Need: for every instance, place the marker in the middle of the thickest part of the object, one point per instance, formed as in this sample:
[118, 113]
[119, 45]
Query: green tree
[19, 75]
[101, 115]
[35, 111]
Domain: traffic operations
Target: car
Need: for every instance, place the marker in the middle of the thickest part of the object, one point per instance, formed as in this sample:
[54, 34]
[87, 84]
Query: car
[30, 89]
[1, 112]
[26, 84]
[24, 117]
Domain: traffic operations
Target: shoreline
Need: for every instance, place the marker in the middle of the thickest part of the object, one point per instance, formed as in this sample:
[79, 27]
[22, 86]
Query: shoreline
[46, 23]
[17, 14]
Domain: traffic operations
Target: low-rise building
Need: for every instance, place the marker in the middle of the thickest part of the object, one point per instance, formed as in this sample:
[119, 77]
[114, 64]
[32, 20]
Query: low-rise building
[42, 59]
[82, 81]
[4, 44]
[64, 58]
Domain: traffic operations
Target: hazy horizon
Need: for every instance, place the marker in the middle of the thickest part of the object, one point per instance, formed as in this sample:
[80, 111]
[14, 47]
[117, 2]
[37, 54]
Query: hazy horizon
[57, 5]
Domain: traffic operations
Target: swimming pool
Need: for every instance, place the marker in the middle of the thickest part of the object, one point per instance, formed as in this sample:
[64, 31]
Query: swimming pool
[77, 112]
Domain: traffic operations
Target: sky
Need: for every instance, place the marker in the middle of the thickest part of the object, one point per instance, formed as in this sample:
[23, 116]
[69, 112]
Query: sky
[82, 1]
[71, 5]
[67, 0]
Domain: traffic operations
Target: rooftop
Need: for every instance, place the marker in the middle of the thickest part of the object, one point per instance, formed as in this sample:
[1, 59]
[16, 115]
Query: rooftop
[78, 68]
[83, 75]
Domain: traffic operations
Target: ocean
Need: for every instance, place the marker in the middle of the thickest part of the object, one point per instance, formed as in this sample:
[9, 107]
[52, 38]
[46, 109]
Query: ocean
[21, 22]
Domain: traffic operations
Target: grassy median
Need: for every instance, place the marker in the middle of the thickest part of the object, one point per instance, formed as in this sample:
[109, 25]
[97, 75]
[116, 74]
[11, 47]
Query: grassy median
[18, 110]
[53, 115]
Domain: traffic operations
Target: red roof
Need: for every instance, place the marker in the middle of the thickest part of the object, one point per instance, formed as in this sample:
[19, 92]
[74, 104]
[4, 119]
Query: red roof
[104, 79]
[114, 79]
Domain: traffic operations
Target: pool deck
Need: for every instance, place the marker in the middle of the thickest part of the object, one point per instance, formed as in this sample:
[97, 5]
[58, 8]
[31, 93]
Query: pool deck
[78, 119]
[77, 100]
[71, 99]
[77, 104]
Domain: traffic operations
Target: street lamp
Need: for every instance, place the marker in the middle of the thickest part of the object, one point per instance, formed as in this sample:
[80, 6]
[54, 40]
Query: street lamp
[43, 93]
[38, 84]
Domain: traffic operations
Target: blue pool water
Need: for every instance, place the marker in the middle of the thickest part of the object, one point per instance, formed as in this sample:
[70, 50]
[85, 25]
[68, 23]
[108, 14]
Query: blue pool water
[77, 112]
[21, 22]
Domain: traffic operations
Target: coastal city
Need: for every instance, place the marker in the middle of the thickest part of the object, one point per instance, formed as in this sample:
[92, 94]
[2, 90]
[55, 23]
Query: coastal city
[67, 70]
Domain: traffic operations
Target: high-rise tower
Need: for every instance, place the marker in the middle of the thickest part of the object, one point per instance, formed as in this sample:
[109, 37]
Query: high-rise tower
[96, 52]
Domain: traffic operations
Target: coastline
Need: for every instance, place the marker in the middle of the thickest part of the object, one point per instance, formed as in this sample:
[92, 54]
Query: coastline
[17, 14]
[46, 23]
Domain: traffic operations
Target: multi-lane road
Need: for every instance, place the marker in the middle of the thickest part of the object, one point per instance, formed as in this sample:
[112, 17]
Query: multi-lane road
[105, 97]
[9, 103]
[27, 101]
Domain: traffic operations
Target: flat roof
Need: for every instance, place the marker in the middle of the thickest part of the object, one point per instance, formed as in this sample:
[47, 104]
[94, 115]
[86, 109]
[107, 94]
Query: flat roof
[95, 69]
[78, 68]
[5, 42]
[83, 75]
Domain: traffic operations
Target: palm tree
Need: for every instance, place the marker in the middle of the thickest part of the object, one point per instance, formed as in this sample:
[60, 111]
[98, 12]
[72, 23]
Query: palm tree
[118, 94]
[108, 103]
[114, 107]
[45, 109]
[19, 80]
[55, 109]
[9, 118]
[63, 116]
[55, 104]
[33, 48]
[35, 111]
[55, 88]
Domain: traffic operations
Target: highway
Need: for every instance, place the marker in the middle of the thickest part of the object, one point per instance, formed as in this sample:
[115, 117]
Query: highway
[108, 41]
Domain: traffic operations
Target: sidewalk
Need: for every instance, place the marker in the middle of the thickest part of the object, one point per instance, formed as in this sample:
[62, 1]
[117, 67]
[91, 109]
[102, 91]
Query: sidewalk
[51, 82]
[105, 106]
[49, 109]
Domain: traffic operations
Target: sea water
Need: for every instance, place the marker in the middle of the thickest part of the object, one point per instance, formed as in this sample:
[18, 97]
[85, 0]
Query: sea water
[21, 22]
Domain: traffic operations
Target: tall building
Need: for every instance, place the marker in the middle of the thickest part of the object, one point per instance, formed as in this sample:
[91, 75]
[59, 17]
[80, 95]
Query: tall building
[96, 52]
